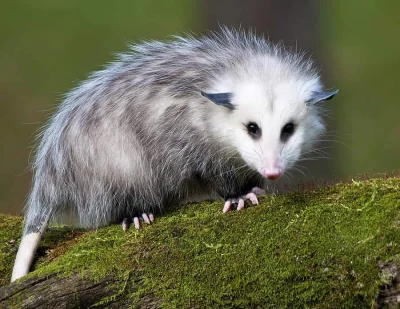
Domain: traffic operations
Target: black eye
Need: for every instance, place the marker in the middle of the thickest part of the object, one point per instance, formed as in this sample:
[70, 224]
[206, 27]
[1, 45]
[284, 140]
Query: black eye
[287, 131]
[253, 129]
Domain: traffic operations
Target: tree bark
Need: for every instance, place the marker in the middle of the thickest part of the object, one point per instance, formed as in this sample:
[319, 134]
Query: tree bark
[389, 294]
[169, 252]
[75, 291]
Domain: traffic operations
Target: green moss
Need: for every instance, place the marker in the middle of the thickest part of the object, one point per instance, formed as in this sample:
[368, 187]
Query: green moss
[10, 229]
[317, 249]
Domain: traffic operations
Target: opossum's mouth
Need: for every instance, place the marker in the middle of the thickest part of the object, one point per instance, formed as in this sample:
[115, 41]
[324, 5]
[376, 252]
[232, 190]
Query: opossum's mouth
[273, 177]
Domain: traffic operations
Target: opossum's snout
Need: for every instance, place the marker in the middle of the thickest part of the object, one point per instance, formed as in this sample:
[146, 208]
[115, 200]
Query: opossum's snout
[267, 163]
[271, 166]
[272, 173]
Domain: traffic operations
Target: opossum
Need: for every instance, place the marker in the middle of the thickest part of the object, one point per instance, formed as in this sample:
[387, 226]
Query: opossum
[169, 122]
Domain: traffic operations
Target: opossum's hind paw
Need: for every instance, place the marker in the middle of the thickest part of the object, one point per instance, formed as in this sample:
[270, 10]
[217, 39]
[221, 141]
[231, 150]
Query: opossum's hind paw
[252, 196]
[146, 217]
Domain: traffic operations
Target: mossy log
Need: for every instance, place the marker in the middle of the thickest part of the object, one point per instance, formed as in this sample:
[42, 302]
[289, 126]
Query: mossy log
[50, 291]
[330, 247]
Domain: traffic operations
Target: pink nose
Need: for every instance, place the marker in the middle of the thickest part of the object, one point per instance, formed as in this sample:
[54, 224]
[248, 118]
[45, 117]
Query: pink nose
[272, 173]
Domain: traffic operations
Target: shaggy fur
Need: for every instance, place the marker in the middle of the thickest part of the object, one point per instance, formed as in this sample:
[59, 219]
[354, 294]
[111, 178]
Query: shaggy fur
[139, 136]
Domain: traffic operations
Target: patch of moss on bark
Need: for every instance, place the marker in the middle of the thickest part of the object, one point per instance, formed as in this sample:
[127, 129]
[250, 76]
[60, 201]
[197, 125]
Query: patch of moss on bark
[318, 248]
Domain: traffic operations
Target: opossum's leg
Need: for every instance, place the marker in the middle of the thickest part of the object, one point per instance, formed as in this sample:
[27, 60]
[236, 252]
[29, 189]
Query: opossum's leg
[146, 217]
[252, 196]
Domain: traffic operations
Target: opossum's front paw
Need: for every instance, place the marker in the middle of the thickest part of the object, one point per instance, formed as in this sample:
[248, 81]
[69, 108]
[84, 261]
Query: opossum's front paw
[252, 196]
[147, 218]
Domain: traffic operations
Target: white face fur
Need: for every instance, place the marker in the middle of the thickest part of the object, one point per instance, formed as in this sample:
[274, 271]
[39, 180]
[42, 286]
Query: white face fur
[272, 126]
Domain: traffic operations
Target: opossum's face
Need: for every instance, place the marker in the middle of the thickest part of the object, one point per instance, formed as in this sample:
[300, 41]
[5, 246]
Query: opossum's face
[272, 128]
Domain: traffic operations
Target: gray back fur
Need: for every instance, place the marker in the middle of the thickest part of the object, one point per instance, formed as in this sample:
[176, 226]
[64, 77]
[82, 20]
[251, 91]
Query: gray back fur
[137, 135]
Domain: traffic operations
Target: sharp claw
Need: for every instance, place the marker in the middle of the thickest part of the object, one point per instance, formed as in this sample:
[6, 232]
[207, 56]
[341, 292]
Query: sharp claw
[136, 223]
[240, 204]
[252, 197]
[125, 224]
[227, 206]
[151, 217]
[145, 218]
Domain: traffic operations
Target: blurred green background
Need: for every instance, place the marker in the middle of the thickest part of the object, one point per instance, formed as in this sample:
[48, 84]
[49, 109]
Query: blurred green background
[46, 47]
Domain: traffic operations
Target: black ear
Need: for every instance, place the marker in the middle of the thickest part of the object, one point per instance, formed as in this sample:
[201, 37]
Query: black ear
[223, 99]
[319, 96]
